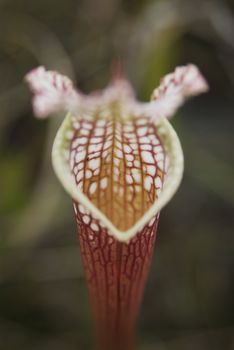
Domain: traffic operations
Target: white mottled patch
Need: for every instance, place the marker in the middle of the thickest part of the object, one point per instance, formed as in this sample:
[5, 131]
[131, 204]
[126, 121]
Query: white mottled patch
[80, 166]
[95, 148]
[128, 128]
[160, 164]
[129, 157]
[158, 182]
[79, 176]
[155, 141]
[94, 227]
[119, 153]
[129, 179]
[99, 132]
[134, 171]
[146, 147]
[86, 219]
[88, 174]
[144, 140]
[134, 146]
[147, 183]
[130, 135]
[75, 143]
[147, 157]
[151, 170]
[80, 148]
[104, 183]
[96, 140]
[96, 172]
[83, 140]
[87, 125]
[137, 177]
[84, 132]
[158, 149]
[142, 131]
[127, 149]
[94, 163]
[81, 209]
[92, 187]
[159, 156]
[137, 164]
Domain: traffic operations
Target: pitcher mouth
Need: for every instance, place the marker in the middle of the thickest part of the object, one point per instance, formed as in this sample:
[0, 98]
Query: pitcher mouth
[172, 178]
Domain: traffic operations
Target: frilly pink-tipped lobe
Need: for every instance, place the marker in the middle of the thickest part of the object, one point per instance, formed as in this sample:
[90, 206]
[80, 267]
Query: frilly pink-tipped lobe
[175, 87]
[54, 92]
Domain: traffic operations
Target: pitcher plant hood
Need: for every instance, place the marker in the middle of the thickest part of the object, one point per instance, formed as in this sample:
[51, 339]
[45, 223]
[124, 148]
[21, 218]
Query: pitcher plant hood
[119, 159]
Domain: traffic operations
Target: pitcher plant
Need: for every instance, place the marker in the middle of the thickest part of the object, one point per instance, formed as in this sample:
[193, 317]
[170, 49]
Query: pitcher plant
[121, 161]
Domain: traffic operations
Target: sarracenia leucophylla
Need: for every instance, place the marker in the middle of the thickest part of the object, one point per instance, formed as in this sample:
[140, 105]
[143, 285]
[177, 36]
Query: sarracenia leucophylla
[121, 161]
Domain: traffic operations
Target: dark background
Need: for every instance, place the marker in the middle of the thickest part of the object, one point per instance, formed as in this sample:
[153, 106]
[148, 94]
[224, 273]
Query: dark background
[188, 303]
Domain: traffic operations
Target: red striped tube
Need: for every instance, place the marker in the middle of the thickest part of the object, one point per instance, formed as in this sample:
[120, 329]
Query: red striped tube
[116, 275]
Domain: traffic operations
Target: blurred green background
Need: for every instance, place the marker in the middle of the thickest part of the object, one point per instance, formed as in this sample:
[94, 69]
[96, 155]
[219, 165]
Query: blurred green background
[188, 301]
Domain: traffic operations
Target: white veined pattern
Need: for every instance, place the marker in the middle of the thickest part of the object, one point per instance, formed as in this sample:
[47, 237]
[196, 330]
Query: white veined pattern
[118, 165]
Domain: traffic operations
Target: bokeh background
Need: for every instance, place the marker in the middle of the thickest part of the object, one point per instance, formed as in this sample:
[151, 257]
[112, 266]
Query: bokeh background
[188, 302]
